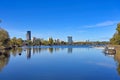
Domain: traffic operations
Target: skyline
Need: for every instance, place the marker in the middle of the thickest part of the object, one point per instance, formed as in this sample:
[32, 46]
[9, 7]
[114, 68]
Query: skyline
[82, 19]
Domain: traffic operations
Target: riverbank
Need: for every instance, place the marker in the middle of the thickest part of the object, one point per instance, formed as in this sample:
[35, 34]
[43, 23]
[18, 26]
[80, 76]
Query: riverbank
[117, 48]
[117, 55]
[5, 48]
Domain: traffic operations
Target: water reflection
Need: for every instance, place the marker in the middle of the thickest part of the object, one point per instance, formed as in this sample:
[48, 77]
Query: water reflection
[28, 51]
[5, 55]
[116, 58]
[69, 50]
[4, 59]
[16, 51]
[51, 50]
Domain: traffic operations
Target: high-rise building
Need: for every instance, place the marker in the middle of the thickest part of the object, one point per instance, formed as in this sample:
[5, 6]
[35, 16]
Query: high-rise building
[33, 39]
[70, 41]
[28, 35]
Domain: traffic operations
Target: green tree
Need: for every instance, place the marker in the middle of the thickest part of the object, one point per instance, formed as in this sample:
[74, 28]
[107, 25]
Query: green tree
[51, 41]
[4, 38]
[45, 42]
[19, 42]
[29, 42]
[13, 41]
[116, 37]
[16, 42]
[37, 42]
[118, 28]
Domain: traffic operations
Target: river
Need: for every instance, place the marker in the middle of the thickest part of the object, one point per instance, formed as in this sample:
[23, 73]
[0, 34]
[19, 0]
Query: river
[58, 63]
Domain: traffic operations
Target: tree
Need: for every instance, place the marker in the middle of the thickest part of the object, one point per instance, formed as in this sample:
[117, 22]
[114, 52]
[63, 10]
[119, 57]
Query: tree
[19, 42]
[13, 41]
[37, 41]
[45, 42]
[29, 42]
[4, 38]
[16, 42]
[118, 28]
[51, 41]
[116, 37]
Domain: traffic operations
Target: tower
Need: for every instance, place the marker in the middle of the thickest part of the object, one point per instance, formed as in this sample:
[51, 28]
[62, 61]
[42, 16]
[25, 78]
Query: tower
[28, 35]
[70, 41]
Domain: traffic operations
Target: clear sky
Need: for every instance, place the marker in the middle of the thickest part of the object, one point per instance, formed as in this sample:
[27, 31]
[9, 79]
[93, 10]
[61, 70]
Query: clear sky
[81, 19]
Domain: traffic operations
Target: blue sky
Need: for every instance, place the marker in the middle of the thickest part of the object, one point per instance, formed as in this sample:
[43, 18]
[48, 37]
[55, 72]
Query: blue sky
[83, 19]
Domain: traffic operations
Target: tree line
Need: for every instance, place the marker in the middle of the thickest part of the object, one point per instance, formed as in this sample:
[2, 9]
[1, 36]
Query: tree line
[116, 37]
[7, 42]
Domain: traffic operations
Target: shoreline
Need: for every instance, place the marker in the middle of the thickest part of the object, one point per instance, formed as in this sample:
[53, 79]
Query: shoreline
[117, 48]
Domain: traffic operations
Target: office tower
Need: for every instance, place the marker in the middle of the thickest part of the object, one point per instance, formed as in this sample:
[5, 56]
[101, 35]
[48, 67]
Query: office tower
[70, 41]
[28, 35]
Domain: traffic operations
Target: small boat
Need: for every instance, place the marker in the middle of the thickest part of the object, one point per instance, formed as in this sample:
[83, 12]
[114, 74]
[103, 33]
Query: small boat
[110, 50]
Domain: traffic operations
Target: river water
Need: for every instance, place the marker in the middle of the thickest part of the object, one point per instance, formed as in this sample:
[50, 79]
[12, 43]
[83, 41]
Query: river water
[58, 63]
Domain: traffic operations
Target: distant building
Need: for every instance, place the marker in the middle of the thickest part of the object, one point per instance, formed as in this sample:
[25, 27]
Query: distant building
[70, 41]
[34, 38]
[58, 41]
[28, 35]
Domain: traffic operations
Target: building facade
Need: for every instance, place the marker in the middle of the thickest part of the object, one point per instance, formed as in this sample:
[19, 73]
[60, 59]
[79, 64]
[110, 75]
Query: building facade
[70, 41]
[28, 35]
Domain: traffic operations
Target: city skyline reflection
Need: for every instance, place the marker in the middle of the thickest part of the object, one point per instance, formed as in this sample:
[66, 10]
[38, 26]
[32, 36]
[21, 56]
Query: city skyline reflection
[29, 52]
